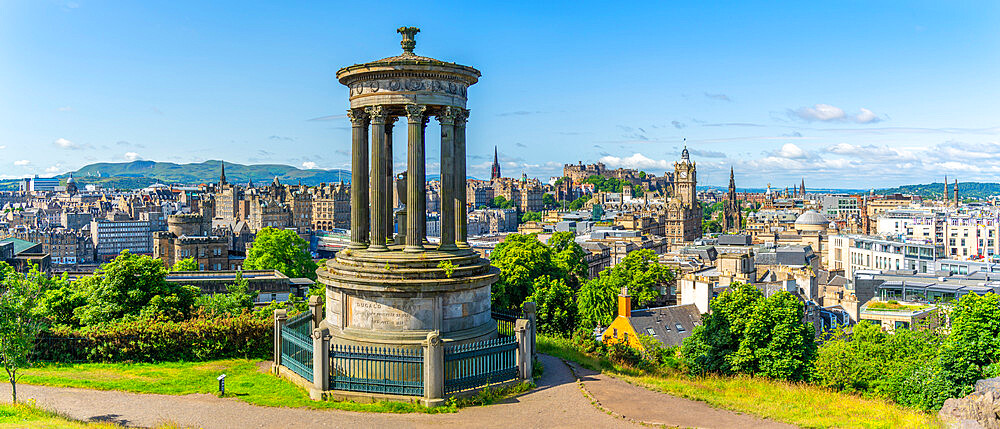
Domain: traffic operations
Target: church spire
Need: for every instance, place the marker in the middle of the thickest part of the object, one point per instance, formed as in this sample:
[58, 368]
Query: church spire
[496, 165]
[222, 177]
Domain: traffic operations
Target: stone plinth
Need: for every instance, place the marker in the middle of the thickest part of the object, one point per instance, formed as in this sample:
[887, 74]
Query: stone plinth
[395, 298]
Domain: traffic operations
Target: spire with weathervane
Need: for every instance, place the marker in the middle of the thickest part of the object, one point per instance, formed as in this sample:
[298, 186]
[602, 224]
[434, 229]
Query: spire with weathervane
[222, 177]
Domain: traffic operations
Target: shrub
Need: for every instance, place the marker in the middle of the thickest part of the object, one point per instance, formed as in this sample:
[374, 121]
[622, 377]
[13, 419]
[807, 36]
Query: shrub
[242, 336]
[622, 353]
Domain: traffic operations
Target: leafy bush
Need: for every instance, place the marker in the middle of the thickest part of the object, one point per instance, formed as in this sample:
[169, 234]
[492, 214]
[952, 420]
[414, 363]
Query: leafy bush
[747, 333]
[622, 353]
[242, 336]
[555, 307]
[660, 356]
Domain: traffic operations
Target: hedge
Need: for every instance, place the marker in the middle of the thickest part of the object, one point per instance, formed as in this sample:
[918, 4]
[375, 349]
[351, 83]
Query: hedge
[242, 336]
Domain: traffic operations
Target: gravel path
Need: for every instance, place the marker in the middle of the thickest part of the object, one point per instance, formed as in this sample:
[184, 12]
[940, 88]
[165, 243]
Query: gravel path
[560, 401]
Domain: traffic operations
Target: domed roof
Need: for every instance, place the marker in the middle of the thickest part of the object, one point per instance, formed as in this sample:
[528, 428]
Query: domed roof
[812, 217]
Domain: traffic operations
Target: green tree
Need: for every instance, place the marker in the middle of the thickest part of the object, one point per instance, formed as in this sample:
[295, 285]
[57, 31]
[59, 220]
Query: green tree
[974, 343]
[555, 308]
[596, 301]
[549, 201]
[282, 250]
[639, 271]
[20, 323]
[531, 216]
[61, 297]
[187, 264]
[521, 259]
[568, 256]
[749, 334]
[578, 203]
[500, 202]
[236, 300]
[133, 286]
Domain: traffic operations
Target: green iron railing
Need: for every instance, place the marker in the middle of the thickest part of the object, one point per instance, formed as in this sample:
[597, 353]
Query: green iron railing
[377, 370]
[470, 366]
[505, 321]
[297, 345]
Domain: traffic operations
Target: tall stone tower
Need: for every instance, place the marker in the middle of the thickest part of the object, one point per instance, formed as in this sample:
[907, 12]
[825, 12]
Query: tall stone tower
[732, 215]
[685, 180]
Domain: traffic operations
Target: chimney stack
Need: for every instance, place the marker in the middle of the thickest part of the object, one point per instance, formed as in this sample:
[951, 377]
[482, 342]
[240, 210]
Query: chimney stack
[624, 304]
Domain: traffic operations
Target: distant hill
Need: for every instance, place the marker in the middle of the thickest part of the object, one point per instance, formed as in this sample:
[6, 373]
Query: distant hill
[935, 190]
[137, 174]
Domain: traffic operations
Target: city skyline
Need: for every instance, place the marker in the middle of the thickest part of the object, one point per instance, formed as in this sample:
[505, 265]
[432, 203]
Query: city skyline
[853, 95]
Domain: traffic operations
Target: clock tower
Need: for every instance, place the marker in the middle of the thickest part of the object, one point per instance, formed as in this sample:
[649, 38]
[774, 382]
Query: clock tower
[685, 180]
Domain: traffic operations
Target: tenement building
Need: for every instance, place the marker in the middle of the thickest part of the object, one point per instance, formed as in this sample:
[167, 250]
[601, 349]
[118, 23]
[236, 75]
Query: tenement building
[187, 237]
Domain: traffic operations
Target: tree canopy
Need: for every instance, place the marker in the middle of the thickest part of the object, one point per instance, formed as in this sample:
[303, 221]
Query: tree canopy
[282, 250]
[746, 333]
[186, 264]
[639, 271]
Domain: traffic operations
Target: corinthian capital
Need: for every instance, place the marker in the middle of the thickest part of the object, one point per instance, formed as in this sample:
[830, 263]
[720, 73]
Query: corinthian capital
[447, 115]
[461, 117]
[358, 117]
[415, 112]
[378, 114]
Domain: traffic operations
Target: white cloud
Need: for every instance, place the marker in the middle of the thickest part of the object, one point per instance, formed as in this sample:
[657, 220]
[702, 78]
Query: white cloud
[637, 161]
[65, 109]
[53, 169]
[3, 146]
[65, 144]
[827, 113]
[791, 151]
[22, 163]
[308, 165]
[132, 156]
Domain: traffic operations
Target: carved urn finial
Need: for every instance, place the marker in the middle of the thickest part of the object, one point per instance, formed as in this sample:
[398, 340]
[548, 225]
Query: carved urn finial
[408, 42]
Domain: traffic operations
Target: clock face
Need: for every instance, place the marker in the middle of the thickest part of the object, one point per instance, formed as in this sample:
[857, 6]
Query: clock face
[684, 175]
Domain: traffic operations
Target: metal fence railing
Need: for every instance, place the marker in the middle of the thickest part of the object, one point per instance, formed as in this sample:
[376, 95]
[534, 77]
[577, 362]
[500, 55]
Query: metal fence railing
[297, 345]
[474, 365]
[377, 370]
[505, 321]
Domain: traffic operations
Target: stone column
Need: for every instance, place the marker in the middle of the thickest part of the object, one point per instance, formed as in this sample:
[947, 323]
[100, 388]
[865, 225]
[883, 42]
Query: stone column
[321, 364]
[529, 313]
[461, 209]
[416, 198]
[378, 216]
[447, 120]
[423, 144]
[316, 308]
[433, 370]
[523, 351]
[389, 122]
[359, 178]
[280, 316]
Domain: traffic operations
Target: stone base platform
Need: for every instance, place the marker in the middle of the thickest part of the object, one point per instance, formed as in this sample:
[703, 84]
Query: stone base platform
[395, 298]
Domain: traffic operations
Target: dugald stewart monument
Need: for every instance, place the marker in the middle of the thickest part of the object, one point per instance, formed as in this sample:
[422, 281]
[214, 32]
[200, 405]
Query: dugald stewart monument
[406, 318]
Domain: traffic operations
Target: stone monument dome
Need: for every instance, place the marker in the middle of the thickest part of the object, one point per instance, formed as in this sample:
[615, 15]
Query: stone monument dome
[811, 220]
[393, 287]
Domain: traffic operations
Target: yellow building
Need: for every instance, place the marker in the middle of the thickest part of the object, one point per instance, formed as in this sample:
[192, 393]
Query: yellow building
[669, 325]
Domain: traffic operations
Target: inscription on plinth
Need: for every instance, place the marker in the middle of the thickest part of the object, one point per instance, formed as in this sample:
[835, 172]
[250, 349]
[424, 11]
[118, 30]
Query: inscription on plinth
[391, 314]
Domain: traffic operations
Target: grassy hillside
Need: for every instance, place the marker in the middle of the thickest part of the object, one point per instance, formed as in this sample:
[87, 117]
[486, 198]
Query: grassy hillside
[935, 190]
[117, 174]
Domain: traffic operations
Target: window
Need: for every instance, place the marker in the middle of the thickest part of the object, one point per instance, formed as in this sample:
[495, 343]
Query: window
[650, 331]
[679, 327]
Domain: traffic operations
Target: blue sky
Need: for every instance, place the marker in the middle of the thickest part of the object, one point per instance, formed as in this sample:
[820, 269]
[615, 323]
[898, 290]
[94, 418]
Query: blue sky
[850, 94]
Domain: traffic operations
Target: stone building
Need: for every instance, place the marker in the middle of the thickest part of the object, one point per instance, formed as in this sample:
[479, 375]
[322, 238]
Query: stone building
[683, 213]
[187, 237]
[732, 214]
[331, 206]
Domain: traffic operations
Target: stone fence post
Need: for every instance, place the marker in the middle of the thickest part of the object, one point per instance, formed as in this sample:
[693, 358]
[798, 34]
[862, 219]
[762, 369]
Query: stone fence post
[523, 352]
[316, 308]
[321, 363]
[280, 316]
[529, 313]
[433, 370]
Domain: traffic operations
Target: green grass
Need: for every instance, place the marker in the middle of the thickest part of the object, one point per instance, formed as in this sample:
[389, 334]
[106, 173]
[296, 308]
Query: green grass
[244, 381]
[895, 306]
[27, 415]
[801, 404]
